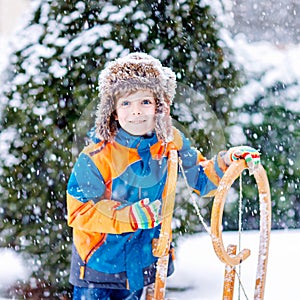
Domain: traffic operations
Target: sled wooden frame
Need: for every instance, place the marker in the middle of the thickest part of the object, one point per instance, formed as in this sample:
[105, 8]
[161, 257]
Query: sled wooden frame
[232, 173]
[161, 246]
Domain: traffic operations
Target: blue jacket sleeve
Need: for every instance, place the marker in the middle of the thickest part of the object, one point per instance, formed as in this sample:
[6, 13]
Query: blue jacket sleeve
[202, 175]
[86, 182]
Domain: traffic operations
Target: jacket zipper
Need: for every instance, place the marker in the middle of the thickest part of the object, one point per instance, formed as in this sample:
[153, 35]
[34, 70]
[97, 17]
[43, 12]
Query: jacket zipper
[90, 254]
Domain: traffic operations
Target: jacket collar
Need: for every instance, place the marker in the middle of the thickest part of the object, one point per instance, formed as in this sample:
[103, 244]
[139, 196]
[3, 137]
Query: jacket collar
[131, 141]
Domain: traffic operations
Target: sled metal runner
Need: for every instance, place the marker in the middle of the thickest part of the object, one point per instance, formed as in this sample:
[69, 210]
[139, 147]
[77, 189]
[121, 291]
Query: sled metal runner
[230, 258]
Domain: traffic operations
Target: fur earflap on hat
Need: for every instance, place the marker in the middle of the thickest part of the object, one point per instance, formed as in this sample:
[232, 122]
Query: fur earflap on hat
[134, 72]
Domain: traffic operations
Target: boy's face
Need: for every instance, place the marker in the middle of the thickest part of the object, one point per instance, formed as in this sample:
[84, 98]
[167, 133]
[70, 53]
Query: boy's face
[136, 112]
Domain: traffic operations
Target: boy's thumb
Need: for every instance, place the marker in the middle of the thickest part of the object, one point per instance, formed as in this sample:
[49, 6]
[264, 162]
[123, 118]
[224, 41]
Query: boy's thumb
[156, 203]
[144, 202]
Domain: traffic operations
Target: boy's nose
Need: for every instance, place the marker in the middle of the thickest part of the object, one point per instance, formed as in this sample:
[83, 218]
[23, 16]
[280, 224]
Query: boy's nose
[136, 110]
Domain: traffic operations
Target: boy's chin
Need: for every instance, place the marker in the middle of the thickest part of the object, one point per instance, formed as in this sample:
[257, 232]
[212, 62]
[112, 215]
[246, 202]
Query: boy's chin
[139, 132]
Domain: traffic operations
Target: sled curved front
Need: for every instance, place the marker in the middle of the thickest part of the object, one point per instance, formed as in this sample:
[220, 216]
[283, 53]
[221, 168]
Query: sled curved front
[232, 173]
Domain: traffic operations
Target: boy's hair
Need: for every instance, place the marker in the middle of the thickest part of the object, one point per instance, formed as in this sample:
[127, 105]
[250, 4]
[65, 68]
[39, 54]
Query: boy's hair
[136, 71]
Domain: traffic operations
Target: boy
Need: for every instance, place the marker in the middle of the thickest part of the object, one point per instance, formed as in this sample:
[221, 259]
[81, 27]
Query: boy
[115, 190]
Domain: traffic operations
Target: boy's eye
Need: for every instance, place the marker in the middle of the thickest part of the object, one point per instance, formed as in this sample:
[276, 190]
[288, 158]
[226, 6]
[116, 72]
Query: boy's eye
[124, 103]
[146, 101]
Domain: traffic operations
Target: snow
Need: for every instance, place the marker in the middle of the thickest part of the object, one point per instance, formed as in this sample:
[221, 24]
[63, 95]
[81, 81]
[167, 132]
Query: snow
[199, 274]
[6, 138]
[267, 64]
[12, 268]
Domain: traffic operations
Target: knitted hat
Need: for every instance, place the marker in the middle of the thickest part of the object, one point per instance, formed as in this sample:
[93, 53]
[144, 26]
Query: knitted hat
[134, 72]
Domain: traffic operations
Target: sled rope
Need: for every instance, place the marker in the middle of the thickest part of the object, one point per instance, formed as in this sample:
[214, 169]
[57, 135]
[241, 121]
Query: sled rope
[241, 285]
[240, 233]
[194, 203]
[240, 229]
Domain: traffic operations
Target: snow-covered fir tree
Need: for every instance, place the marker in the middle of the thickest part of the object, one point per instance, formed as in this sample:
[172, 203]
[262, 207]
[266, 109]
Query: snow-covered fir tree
[52, 77]
[268, 109]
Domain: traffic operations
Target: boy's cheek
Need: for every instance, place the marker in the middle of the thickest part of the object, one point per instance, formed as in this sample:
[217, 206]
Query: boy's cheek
[167, 110]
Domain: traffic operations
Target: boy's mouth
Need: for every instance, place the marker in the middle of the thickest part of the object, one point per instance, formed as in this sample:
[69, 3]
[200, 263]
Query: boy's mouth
[137, 121]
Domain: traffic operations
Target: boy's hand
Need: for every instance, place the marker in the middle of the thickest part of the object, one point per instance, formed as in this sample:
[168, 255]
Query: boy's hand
[145, 215]
[250, 155]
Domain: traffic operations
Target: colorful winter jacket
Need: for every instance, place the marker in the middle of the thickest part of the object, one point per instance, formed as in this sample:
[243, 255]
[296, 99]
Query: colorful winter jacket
[107, 251]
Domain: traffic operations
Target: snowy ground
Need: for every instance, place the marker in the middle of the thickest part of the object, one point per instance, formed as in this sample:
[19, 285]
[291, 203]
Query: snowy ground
[199, 272]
